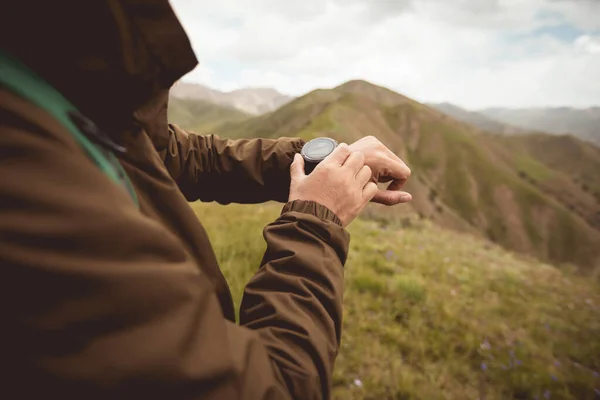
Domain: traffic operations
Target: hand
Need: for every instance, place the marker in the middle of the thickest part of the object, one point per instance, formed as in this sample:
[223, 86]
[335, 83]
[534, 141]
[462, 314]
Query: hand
[386, 166]
[341, 182]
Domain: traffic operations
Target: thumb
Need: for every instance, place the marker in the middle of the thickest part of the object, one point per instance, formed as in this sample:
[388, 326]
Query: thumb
[297, 167]
[391, 198]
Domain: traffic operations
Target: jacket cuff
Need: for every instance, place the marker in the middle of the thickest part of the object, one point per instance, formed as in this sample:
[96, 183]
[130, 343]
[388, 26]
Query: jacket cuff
[313, 208]
[298, 144]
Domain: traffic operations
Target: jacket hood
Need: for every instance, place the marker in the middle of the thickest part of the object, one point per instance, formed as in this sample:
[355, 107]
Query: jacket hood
[115, 60]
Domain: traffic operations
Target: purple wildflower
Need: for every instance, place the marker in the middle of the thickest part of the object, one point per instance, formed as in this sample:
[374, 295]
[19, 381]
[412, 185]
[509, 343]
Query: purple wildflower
[484, 367]
[518, 362]
[596, 374]
[547, 394]
[554, 378]
[557, 364]
[389, 255]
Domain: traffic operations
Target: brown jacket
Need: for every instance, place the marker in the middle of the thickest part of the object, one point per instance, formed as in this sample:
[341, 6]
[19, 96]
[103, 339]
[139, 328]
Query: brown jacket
[100, 299]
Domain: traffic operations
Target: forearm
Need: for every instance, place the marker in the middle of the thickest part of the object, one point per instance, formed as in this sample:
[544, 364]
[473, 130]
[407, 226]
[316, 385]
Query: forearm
[295, 299]
[209, 168]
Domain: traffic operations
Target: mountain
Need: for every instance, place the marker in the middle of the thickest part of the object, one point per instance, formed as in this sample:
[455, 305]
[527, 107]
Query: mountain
[583, 123]
[502, 187]
[249, 100]
[200, 115]
[562, 166]
[474, 118]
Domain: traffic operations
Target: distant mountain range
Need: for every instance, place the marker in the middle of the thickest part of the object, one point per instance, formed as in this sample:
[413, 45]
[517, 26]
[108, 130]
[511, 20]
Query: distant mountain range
[533, 193]
[583, 123]
[476, 119]
[249, 100]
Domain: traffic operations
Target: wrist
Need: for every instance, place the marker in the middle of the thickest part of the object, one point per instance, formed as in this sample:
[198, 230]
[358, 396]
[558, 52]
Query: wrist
[313, 208]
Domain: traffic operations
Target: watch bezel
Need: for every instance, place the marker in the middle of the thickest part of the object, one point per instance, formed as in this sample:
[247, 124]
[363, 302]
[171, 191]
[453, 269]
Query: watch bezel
[308, 158]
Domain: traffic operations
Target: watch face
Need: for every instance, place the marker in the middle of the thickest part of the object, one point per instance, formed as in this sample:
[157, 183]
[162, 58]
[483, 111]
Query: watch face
[317, 149]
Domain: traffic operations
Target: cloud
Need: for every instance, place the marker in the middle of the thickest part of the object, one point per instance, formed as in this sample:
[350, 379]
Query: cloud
[583, 14]
[202, 74]
[589, 44]
[474, 53]
[374, 11]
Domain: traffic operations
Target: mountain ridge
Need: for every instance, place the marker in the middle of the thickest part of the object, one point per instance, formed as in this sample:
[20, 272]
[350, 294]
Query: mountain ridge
[475, 118]
[583, 123]
[251, 100]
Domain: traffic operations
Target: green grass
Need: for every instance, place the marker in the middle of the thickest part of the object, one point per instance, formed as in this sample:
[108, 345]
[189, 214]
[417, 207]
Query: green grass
[533, 168]
[432, 314]
[322, 123]
[459, 148]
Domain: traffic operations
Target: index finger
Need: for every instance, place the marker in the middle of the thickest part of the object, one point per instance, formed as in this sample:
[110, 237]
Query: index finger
[338, 156]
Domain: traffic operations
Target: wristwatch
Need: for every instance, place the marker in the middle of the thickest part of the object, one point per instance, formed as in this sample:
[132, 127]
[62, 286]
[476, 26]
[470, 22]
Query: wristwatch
[315, 151]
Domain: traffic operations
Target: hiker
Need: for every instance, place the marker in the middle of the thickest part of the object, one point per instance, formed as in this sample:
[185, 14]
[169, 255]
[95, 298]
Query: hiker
[110, 286]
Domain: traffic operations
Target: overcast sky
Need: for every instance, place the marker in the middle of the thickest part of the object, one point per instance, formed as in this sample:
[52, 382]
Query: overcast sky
[473, 53]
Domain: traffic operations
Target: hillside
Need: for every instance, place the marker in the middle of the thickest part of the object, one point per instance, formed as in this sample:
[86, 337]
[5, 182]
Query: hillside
[462, 179]
[563, 167]
[430, 314]
[583, 123]
[253, 101]
[202, 116]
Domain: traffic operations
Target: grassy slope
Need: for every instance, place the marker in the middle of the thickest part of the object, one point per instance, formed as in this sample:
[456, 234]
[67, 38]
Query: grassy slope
[564, 167]
[201, 116]
[573, 156]
[431, 314]
[462, 179]
[285, 121]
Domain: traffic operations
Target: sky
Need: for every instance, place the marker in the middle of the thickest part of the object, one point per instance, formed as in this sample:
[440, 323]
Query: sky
[472, 53]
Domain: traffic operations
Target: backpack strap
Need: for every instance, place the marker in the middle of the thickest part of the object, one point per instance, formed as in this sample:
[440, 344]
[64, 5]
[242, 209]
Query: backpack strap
[22, 81]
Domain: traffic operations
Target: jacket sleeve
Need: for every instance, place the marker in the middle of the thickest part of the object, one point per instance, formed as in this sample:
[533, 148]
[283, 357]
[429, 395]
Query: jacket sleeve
[101, 301]
[294, 301]
[209, 168]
